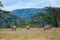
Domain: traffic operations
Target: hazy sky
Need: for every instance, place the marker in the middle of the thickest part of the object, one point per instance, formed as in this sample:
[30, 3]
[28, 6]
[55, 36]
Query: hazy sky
[18, 4]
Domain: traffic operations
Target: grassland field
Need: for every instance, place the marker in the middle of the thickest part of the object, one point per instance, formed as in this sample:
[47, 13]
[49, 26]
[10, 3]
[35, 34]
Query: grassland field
[32, 34]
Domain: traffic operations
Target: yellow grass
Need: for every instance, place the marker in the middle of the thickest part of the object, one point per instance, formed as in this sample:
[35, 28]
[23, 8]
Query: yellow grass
[32, 34]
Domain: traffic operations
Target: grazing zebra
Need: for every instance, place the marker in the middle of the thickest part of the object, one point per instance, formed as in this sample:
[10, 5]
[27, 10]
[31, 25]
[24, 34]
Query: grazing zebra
[13, 28]
[47, 27]
[28, 27]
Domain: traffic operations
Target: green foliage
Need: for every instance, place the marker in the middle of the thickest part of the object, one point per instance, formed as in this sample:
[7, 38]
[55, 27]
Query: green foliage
[1, 5]
[41, 19]
[22, 22]
[55, 13]
[5, 17]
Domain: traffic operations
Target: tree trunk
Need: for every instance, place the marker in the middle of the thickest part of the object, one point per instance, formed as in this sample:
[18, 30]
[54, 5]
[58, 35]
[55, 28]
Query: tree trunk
[55, 22]
[43, 23]
[0, 21]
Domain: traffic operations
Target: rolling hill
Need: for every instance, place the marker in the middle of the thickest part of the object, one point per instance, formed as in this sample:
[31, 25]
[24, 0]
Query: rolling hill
[27, 12]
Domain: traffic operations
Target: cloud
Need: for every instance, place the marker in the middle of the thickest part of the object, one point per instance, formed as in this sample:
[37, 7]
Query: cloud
[18, 4]
[54, 3]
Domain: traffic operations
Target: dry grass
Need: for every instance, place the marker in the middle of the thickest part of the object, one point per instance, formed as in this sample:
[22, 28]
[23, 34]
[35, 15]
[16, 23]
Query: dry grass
[32, 34]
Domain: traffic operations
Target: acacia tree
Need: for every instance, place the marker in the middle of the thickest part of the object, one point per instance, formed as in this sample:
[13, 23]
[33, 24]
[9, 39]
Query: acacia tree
[41, 18]
[1, 5]
[22, 21]
[55, 13]
[4, 16]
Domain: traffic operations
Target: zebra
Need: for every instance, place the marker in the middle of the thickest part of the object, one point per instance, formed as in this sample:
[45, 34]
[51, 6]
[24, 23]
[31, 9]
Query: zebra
[47, 27]
[14, 28]
[28, 27]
